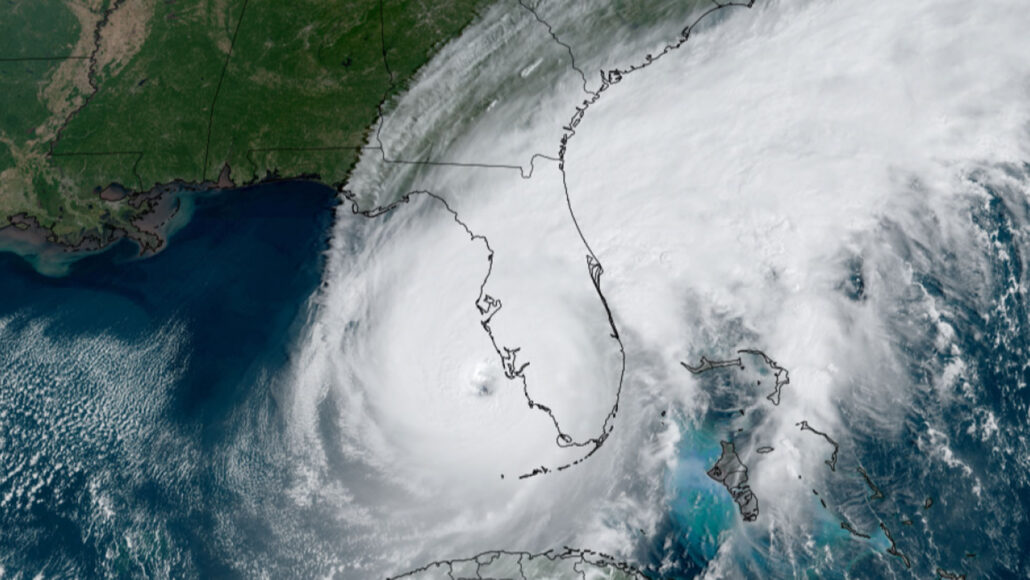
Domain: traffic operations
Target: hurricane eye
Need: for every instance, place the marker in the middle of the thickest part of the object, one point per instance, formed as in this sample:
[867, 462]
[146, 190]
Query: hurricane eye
[482, 381]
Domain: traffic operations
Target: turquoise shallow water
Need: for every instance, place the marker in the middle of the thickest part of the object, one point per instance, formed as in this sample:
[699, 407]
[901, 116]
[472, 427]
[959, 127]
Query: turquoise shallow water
[951, 490]
[141, 432]
[701, 508]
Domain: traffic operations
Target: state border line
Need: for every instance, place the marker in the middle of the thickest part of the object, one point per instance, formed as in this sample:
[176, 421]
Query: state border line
[43, 58]
[218, 89]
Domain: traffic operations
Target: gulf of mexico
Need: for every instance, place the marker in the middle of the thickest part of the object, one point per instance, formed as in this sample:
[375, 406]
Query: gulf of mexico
[121, 383]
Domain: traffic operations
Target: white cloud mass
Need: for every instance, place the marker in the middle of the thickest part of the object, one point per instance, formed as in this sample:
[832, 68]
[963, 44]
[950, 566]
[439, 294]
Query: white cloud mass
[728, 189]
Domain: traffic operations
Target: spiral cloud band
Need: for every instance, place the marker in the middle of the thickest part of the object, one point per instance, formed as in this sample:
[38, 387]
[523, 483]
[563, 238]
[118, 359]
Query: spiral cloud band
[551, 224]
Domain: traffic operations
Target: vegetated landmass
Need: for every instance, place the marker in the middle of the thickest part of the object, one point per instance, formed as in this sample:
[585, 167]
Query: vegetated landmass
[108, 105]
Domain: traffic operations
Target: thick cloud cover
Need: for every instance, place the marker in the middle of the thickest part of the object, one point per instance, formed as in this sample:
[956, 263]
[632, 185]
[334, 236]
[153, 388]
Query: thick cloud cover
[728, 189]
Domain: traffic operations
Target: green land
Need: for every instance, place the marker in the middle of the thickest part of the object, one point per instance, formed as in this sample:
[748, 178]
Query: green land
[103, 102]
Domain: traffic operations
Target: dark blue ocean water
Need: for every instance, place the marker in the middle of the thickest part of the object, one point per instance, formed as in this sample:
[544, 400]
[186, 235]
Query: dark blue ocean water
[955, 485]
[141, 432]
[120, 380]
[951, 482]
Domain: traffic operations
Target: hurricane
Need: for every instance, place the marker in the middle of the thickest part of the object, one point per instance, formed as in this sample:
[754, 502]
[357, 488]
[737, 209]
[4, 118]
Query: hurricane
[841, 186]
[635, 289]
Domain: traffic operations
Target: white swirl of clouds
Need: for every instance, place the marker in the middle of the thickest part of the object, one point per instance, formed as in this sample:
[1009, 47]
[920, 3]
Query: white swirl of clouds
[723, 189]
